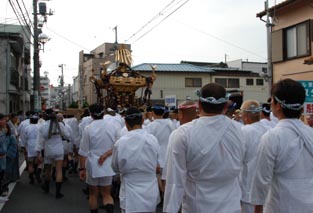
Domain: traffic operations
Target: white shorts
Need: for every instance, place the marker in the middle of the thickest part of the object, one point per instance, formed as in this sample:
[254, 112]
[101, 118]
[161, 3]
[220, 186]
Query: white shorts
[50, 159]
[102, 181]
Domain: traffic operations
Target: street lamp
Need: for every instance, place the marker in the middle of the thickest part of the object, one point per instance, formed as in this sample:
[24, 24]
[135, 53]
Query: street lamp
[43, 38]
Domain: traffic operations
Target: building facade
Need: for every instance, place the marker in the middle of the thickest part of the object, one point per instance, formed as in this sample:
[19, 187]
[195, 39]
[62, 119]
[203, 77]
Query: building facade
[291, 38]
[182, 80]
[14, 69]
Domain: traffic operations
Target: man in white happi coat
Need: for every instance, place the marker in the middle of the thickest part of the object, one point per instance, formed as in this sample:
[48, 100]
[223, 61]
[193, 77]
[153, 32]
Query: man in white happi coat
[253, 130]
[135, 157]
[95, 157]
[284, 177]
[160, 128]
[204, 164]
[75, 140]
[50, 139]
[30, 135]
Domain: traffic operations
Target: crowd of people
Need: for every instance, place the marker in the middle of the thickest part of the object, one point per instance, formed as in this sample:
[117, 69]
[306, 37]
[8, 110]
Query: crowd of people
[197, 158]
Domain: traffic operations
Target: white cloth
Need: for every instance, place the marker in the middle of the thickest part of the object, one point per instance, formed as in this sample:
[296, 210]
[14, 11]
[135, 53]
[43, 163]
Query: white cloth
[98, 138]
[68, 144]
[30, 135]
[252, 133]
[20, 131]
[161, 129]
[116, 120]
[284, 177]
[52, 146]
[265, 122]
[203, 166]
[81, 126]
[124, 131]
[73, 124]
[135, 157]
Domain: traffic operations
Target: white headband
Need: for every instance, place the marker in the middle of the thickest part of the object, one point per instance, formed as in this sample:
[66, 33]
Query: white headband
[295, 106]
[212, 100]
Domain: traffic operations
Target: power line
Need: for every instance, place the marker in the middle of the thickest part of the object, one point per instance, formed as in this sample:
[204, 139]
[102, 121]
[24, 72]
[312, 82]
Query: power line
[68, 40]
[150, 21]
[18, 18]
[30, 21]
[22, 14]
[220, 39]
[160, 22]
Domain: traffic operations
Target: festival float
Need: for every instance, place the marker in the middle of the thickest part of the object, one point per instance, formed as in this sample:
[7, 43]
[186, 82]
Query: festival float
[116, 88]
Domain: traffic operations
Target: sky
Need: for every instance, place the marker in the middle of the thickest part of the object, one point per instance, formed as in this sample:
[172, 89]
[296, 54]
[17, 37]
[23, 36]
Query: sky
[159, 31]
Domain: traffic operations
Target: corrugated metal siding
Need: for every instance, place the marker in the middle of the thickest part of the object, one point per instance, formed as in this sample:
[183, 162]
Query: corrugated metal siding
[172, 68]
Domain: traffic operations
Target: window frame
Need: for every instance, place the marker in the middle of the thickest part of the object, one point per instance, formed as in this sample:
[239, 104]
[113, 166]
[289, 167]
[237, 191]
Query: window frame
[193, 82]
[227, 85]
[258, 80]
[307, 40]
[247, 81]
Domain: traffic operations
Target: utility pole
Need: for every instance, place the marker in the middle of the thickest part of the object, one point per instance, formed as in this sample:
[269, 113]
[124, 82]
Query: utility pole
[62, 86]
[269, 48]
[36, 82]
[37, 40]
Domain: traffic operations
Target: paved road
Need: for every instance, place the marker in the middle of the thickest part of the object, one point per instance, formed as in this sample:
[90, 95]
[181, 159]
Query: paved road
[26, 198]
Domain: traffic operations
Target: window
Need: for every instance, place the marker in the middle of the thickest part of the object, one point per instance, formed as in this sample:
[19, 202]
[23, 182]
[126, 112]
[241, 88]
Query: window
[259, 82]
[249, 82]
[297, 42]
[193, 82]
[221, 81]
[228, 82]
[233, 83]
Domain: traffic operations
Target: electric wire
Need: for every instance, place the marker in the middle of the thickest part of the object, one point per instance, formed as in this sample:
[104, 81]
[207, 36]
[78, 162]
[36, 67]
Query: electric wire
[18, 18]
[58, 34]
[166, 17]
[150, 21]
[23, 16]
[30, 21]
[222, 40]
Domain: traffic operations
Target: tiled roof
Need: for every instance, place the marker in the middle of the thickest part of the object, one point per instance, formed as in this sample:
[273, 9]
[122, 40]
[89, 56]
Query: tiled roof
[172, 68]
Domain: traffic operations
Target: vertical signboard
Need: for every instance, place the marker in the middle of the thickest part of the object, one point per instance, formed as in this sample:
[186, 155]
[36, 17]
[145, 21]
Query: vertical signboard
[170, 101]
[308, 104]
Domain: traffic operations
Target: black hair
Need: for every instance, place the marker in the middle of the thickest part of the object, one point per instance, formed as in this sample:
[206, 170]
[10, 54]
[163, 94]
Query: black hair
[158, 109]
[291, 92]
[33, 120]
[213, 90]
[96, 111]
[266, 109]
[133, 116]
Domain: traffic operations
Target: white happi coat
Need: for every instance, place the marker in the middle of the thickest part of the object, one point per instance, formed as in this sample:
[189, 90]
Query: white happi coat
[30, 135]
[266, 122]
[52, 146]
[161, 129]
[73, 124]
[135, 157]
[81, 126]
[20, 131]
[68, 144]
[252, 133]
[98, 137]
[203, 167]
[284, 177]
